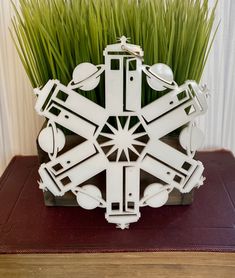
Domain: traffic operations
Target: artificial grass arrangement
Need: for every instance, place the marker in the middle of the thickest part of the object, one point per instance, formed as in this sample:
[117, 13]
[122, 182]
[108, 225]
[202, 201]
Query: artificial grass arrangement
[53, 36]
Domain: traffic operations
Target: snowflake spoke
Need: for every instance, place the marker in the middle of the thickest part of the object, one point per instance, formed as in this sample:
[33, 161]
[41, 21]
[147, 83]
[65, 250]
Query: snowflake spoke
[108, 143]
[119, 126]
[133, 149]
[119, 154]
[137, 135]
[127, 124]
[86, 169]
[113, 129]
[133, 129]
[127, 154]
[135, 142]
[75, 156]
[108, 135]
[172, 157]
[112, 150]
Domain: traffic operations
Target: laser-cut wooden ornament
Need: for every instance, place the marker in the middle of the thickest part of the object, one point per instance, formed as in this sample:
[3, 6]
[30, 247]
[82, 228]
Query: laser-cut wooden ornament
[123, 137]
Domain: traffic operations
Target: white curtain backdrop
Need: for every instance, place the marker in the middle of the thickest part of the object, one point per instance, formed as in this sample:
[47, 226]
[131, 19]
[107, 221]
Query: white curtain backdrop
[19, 124]
[219, 74]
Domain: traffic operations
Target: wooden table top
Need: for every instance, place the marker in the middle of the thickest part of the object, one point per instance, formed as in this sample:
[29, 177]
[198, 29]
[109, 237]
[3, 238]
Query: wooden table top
[146, 264]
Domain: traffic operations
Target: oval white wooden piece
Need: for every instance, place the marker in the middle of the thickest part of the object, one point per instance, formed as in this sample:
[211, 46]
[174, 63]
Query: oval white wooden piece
[164, 72]
[87, 201]
[51, 139]
[191, 138]
[158, 195]
[88, 75]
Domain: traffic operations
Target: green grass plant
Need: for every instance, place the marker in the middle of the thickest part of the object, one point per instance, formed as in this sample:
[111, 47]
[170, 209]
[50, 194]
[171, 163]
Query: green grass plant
[53, 36]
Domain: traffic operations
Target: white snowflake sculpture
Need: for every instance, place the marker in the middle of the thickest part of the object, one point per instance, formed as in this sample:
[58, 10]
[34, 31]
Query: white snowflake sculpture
[121, 138]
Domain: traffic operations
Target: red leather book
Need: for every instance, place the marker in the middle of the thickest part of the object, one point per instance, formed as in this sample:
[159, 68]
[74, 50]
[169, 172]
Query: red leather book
[27, 226]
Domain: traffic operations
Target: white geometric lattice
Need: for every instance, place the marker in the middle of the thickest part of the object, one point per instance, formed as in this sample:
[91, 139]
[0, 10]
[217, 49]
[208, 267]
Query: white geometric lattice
[123, 138]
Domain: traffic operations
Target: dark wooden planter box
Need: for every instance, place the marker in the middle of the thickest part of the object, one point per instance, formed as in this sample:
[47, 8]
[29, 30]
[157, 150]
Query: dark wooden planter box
[69, 199]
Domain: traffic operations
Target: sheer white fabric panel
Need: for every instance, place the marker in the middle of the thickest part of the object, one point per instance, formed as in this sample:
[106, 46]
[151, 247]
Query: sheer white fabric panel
[219, 75]
[19, 124]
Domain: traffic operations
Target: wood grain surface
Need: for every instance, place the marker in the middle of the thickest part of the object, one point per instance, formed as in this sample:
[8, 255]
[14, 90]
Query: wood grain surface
[157, 265]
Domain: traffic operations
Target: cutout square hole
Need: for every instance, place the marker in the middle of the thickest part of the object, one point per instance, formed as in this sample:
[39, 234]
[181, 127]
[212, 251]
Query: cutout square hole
[115, 64]
[62, 96]
[191, 90]
[55, 111]
[177, 179]
[132, 65]
[115, 206]
[190, 110]
[65, 180]
[182, 95]
[186, 166]
[130, 205]
[57, 167]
